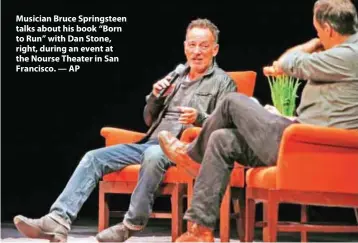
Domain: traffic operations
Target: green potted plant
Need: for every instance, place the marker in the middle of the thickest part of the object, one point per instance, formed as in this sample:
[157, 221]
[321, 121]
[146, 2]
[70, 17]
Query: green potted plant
[284, 93]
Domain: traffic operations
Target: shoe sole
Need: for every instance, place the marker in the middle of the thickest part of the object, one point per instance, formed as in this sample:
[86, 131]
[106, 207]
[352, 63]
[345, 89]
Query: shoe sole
[33, 231]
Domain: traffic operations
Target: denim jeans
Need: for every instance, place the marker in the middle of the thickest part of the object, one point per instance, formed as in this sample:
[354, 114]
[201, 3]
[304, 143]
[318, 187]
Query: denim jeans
[238, 130]
[99, 162]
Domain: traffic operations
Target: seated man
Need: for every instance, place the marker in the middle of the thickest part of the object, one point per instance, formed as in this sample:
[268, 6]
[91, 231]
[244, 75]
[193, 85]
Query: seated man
[242, 130]
[196, 93]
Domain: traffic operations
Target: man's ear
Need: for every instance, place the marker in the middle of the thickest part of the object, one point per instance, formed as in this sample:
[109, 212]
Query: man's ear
[216, 50]
[328, 29]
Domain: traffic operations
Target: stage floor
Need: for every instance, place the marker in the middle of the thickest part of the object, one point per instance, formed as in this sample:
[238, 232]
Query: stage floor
[158, 230]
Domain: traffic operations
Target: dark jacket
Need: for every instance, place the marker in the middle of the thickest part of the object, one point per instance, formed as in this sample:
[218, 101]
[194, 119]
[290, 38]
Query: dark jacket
[213, 86]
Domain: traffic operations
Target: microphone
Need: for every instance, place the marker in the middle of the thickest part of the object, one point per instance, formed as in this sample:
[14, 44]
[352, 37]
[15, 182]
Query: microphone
[179, 70]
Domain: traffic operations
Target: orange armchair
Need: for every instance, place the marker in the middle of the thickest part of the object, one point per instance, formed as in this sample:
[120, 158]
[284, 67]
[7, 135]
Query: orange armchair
[245, 81]
[316, 166]
[125, 180]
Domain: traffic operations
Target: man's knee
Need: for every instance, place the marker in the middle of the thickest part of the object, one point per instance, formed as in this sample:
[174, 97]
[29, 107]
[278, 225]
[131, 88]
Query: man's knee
[153, 158]
[90, 158]
[222, 143]
[220, 135]
[237, 99]
[222, 139]
[233, 97]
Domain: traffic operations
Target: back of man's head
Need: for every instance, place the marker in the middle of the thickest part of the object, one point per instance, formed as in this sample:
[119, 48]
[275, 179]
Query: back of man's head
[341, 15]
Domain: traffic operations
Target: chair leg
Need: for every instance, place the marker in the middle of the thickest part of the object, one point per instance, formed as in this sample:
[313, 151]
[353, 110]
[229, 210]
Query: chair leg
[237, 214]
[190, 191]
[240, 221]
[177, 211]
[103, 210]
[225, 216]
[250, 212]
[304, 219]
[271, 218]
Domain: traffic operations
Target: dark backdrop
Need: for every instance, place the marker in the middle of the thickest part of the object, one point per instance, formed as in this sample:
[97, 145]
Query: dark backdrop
[49, 120]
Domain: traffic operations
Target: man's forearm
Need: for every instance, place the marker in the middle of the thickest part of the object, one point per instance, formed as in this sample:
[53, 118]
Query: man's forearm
[313, 45]
[293, 49]
[152, 108]
[310, 46]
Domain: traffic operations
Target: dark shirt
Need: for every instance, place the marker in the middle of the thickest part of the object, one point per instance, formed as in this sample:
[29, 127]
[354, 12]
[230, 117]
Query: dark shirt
[171, 115]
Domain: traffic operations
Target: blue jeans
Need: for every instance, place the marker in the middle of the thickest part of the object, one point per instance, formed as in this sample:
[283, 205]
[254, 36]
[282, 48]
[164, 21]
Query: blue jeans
[99, 162]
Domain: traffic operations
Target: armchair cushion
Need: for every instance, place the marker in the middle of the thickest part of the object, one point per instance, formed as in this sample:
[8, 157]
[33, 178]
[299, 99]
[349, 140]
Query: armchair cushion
[262, 177]
[312, 158]
[130, 174]
[237, 178]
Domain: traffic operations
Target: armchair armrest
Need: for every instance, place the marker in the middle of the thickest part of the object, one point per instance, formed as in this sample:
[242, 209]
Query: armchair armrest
[190, 134]
[117, 136]
[322, 135]
[314, 158]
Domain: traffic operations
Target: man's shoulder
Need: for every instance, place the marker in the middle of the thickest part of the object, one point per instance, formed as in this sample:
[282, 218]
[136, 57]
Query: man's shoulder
[344, 54]
[219, 71]
[221, 75]
[347, 49]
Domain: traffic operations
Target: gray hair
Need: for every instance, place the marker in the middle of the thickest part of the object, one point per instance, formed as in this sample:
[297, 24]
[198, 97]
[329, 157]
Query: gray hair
[205, 24]
[340, 14]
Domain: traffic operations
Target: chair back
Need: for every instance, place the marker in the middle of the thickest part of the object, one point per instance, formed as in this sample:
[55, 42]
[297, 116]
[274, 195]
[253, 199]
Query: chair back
[245, 81]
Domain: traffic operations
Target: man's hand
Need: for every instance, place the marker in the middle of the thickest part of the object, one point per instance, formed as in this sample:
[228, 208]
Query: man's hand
[188, 115]
[274, 70]
[274, 110]
[162, 84]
